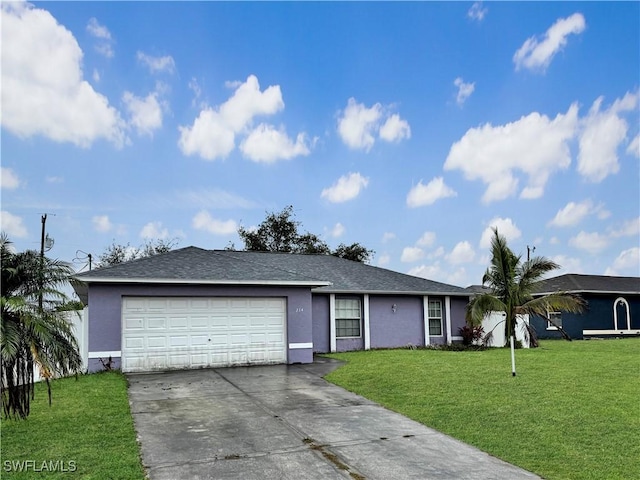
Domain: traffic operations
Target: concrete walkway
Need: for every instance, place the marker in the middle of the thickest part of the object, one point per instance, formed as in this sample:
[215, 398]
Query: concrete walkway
[286, 422]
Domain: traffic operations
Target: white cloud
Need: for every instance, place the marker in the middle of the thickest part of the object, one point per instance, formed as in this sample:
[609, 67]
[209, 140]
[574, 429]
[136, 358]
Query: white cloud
[212, 134]
[426, 271]
[204, 221]
[97, 30]
[346, 188]
[194, 86]
[395, 129]
[505, 227]
[427, 239]
[12, 225]
[154, 230]
[358, 125]
[145, 113]
[157, 64]
[102, 223]
[463, 252]
[477, 12]
[537, 53]
[8, 179]
[436, 272]
[213, 198]
[267, 144]
[43, 90]
[593, 242]
[627, 262]
[572, 214]
[634, 147]
[534, 145]
[567, 265]
[411, 254]
[384, 260]
[388, 236]
[629, 228]
[337, 230]
[54, 179]
[421, 195]
[602, 133]
[464, 90]
[438, 252]
[104, 47]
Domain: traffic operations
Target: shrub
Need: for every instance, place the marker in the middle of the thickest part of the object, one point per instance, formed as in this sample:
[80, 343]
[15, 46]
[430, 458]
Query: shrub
[471, 335]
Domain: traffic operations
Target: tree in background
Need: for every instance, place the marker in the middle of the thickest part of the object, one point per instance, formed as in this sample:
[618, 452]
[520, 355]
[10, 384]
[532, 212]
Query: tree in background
[278, 232]
[512, 283]
[34, 329]
[116, 253]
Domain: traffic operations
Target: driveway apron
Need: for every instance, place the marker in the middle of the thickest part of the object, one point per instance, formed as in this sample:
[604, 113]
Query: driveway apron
[287, 422]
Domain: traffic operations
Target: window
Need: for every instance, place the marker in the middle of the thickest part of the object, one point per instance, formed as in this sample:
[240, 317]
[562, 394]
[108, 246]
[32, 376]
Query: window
[435, 318]
[348, 317]
[556, 317]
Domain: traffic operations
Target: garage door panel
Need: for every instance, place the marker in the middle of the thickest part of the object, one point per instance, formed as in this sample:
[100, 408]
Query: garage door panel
[176, 332]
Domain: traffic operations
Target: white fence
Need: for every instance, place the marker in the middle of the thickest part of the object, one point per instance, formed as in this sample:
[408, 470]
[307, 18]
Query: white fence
[495, 323]
[78, 320]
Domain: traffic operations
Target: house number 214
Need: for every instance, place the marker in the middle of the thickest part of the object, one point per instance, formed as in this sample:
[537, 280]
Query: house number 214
[299, 310]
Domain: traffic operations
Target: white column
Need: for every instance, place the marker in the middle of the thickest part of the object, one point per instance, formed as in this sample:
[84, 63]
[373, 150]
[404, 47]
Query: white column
[447, 312]
[425, 309]
[332, 321]
[367, 333]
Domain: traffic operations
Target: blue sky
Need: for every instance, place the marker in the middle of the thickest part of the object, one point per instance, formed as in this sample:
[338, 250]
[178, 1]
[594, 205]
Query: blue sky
[411, 128]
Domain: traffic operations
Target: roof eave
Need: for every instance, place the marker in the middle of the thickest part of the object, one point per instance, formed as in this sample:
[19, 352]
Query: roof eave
[390, 292]
[612, 292]
[178, 281]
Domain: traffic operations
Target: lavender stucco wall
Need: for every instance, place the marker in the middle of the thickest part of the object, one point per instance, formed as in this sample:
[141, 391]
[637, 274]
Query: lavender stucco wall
[349, 344]
[458, 309]
[105, 312]
[321, 341]
[390, 329]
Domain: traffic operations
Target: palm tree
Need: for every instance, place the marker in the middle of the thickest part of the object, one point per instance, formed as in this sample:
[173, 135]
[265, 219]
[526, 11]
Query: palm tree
[34, 331]
[512, 283]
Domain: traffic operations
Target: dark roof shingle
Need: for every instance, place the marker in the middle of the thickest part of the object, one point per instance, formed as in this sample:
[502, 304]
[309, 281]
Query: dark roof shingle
[576, 283]
[193, 264]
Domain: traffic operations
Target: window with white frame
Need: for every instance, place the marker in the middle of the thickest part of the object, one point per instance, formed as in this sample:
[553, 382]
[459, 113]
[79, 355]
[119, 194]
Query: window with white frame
[435, 318]
[348, 316]
[556, 317]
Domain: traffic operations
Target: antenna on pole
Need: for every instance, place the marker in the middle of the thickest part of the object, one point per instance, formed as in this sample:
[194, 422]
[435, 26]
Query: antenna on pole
[530, 250]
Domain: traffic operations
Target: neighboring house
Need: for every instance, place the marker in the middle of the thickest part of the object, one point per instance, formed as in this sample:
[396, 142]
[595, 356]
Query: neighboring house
[613, 306]
[193, 308]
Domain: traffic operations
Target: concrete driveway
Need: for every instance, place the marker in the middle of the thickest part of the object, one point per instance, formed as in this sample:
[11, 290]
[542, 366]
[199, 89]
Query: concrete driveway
[286, 422]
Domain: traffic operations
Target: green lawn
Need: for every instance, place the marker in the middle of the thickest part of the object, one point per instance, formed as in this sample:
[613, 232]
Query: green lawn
[572, 411]
[88, 429]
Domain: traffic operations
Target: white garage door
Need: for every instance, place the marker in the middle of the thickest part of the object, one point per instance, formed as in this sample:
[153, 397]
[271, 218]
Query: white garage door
[191, 332]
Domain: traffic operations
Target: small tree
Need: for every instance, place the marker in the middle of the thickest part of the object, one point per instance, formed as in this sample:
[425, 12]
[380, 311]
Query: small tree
[278, 232]
[34, 328]
[118, 253]
[355, 252]
[512, 283]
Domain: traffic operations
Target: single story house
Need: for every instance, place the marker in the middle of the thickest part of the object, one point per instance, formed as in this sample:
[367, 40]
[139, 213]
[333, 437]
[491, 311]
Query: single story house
[194, 308]
[613, 306]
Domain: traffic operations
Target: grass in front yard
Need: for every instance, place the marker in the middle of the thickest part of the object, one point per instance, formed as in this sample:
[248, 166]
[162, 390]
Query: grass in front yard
[88, 426]
[572, 411]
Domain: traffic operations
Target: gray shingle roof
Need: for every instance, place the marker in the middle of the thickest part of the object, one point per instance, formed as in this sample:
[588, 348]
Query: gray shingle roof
[193, 264]
[576, 283]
